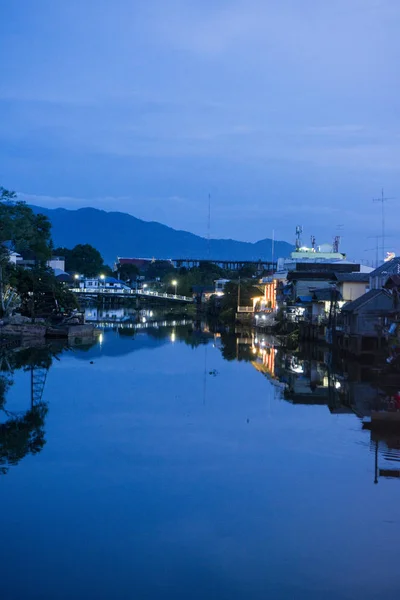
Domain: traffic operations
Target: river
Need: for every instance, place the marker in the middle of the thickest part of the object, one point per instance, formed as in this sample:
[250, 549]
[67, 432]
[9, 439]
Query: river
[168, 462]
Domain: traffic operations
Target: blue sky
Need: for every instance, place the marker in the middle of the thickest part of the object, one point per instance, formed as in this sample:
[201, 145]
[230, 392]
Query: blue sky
[285, 111]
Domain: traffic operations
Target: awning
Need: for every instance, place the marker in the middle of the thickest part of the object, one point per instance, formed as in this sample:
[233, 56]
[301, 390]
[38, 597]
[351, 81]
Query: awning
[304, 298]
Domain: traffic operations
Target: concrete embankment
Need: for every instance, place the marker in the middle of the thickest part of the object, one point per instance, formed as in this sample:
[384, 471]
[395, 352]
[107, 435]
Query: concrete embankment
[41, 330]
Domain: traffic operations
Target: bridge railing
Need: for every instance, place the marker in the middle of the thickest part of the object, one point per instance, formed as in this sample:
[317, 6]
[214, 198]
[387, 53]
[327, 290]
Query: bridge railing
[132, 292]
[245, 309]
[164, 295]
[102, 290]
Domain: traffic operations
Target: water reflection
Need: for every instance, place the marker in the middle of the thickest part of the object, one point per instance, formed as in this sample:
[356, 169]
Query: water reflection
[22, 432]
[310, 376]
[214, 458]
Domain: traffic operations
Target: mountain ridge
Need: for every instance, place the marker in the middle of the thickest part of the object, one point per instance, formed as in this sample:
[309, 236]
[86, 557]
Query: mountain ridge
[116, 233]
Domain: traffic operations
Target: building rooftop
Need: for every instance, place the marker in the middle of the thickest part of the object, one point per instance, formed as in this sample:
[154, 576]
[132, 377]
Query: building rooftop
[327, 294]
[348, 277]
[391, 267]
[364, 299]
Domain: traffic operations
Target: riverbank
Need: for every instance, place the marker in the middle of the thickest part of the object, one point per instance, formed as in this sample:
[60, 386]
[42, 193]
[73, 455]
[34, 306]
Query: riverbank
[32, 330]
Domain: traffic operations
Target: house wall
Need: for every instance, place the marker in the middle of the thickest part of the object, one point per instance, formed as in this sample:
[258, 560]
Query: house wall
[376, 283]
[302, 287]
[367, 319]
[352, 290]
[366, 324]
[56, 263]
[318, 310]
[14, 257]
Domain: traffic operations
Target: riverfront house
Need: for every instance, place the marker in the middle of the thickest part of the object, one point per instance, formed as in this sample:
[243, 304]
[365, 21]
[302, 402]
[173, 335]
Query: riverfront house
[364, 320]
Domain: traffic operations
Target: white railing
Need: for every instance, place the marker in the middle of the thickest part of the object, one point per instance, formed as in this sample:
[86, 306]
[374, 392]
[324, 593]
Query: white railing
[129, 292]
[245, 309]
[163, 295]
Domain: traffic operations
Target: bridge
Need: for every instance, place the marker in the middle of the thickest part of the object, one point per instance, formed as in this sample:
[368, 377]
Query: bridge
[229, 265]
[125, 293]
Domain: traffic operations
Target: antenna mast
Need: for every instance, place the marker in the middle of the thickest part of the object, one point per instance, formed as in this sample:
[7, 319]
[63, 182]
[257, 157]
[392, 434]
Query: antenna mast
[299, 231]
[382, 200]
[336, 242]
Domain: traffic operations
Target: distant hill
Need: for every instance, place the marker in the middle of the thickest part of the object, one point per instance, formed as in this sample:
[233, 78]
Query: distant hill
[120, 234]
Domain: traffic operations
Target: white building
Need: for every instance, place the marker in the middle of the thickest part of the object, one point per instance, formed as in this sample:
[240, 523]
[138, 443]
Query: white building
[14, 257]
[56, 262]
[99, 284]
[220, 286]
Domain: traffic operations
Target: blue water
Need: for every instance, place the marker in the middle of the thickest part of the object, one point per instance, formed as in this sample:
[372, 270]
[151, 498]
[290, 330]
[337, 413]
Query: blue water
[169, 472]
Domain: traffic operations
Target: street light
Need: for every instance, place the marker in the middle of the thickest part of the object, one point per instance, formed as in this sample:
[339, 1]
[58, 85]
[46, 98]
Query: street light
[174, 283]
[77, 277]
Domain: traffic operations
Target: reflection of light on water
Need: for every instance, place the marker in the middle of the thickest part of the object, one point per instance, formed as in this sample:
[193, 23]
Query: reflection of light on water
[173, 336]
[143, 319]
[101, 338]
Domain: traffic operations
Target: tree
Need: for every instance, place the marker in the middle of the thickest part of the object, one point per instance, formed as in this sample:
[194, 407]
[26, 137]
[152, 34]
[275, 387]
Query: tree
[128, 272]
[159, 268]
[41, 293]
[20, 229]
[82, 259]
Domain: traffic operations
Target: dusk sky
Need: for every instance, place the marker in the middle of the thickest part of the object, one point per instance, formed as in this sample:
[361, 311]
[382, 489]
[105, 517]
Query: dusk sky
[286, 111]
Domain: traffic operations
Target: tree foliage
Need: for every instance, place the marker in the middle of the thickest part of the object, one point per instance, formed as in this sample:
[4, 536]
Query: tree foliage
[128, 272]
[83, 259]
[22, 229]
[41, 293]
[159, 269]
[204, 275]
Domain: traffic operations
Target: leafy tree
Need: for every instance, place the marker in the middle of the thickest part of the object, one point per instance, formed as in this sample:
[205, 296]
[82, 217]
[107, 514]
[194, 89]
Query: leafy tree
[82, 259]
[20, 229]
[205, 275]
[159, 268]
[248, 271]
[128, 272]
[41, 293]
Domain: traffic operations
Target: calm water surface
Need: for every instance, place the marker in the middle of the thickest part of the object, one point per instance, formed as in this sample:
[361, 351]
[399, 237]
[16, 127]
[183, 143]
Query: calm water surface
[169, 471]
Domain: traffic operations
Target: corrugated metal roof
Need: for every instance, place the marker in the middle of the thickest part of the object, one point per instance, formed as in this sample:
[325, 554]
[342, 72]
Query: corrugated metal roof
[356, 277]
[327, 294]
[364, 299]
[388, 268]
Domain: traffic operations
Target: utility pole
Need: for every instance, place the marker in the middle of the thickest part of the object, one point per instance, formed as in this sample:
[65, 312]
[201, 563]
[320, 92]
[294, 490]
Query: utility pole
[382, 200]
[272, 250]
[208, 225]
